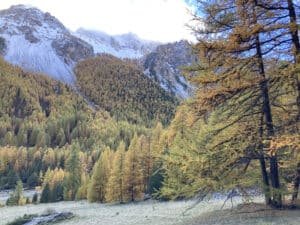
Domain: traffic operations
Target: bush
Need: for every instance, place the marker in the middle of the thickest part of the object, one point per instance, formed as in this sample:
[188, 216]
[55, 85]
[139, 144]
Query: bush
[35, 198]
[28, 201]
[46, 195]
[57, 194]
[17, 198]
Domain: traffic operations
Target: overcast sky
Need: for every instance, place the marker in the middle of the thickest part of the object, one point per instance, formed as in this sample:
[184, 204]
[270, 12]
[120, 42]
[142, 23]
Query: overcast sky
[159, 20]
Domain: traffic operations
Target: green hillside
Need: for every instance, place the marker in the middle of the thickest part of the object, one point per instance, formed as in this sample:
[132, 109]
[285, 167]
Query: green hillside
[122, 89]
[38, 111]
[42, 120]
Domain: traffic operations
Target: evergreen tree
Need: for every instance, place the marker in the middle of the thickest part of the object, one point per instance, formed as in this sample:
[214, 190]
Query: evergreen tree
[17, 197]
[158, 143]
[35, 198]
[146, 160]
[46, 194]
[72, 180]
[236, 104]
[83, 189]
[244, 39]
[115, 185]
[99, 179]
[182, 161]
[133, 176]
[12, 178]
[33, 180]
[285, 13]
[57, 193]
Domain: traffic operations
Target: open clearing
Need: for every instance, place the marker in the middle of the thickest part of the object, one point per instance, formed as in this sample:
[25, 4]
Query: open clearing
[154, 213]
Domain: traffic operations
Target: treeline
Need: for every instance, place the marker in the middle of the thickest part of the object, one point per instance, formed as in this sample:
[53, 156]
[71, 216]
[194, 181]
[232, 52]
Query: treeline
[128, 175]
[41, 119]
[31, 165]
[121, 88]
[51, 140]
[28, 163]
[122, 175]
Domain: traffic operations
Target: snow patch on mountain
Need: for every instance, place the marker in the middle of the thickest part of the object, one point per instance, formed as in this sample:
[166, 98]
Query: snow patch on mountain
[32, 37]
[122, 46]
[30, 56]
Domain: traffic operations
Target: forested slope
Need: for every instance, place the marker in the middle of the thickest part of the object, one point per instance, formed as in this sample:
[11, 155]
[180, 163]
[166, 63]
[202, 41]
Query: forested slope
[42, 120]
[122, 89]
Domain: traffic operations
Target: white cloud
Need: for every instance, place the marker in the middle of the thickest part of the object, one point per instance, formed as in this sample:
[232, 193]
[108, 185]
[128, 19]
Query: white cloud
[161, 20]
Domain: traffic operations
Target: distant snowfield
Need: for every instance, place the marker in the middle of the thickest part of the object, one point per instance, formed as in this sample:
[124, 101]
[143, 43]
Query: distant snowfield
[39, 57]
[143, 213]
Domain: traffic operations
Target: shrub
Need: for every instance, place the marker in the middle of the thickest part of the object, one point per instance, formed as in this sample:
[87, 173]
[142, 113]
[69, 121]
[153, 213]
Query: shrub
[35, 198]
[17, 198]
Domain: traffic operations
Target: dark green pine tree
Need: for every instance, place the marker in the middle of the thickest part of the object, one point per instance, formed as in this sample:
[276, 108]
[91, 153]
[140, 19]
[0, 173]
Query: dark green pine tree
[46, 194]
[57, 194]
[35, 198]
[72, 181]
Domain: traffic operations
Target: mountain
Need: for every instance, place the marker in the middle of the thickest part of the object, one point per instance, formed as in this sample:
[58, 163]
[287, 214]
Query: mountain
[161, 62]
[122, 46]
[38, 42]
[164, 65]
[121, 88]
[40, 113]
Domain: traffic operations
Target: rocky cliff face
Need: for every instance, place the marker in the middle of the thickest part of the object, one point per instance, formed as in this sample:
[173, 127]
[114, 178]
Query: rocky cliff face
[164, 66]
[2, 46]
[38, 42]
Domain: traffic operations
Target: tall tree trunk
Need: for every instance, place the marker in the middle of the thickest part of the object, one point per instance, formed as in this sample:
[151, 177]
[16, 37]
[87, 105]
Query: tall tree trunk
[296, 185]
[264, 173]
[295, 39]
[132, 182]
[274, 173]
[293, 29]
[149, 161]
[265, 179]
[121, 178]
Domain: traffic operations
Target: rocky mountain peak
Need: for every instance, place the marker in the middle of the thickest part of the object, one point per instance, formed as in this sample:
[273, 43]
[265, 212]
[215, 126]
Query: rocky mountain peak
[27, 20]
[123, 46]
[39, 42]
[165, 66]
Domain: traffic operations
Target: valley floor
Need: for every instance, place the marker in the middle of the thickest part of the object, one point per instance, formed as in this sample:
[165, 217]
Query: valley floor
[155, 213]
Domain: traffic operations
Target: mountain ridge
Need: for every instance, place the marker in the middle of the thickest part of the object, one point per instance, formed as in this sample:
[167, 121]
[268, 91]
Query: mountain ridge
[39, 42]
[127, 45]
